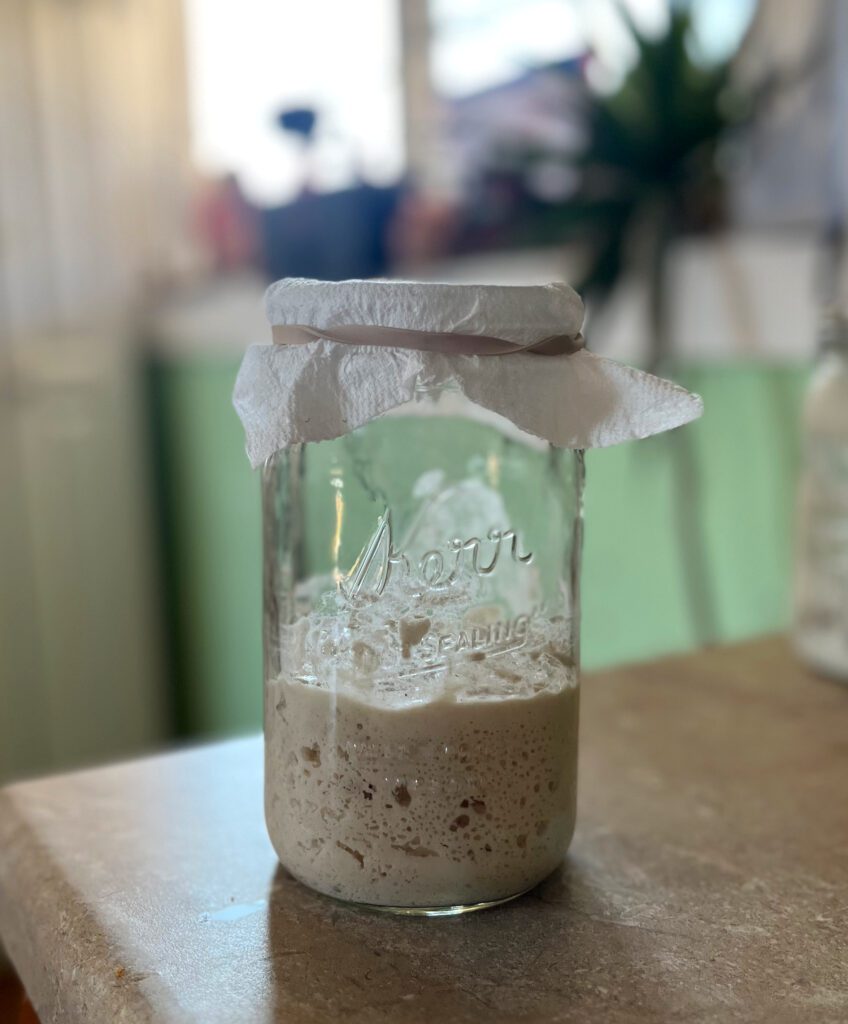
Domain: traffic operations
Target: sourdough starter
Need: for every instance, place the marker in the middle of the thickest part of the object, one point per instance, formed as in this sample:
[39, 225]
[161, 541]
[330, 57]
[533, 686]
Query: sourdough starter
[455, 789]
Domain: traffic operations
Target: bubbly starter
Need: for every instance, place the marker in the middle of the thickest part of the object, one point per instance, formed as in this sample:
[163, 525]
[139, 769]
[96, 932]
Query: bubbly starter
[410, 764]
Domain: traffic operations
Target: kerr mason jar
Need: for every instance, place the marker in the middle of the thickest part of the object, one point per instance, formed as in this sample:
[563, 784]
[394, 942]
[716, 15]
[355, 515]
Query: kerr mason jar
[421, 657]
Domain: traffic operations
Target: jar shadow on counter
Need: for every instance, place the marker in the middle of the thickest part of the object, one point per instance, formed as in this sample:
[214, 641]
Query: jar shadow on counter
[550, 950]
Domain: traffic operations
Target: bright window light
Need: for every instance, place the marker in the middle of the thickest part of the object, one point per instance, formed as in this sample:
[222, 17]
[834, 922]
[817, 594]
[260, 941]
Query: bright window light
[249, 59]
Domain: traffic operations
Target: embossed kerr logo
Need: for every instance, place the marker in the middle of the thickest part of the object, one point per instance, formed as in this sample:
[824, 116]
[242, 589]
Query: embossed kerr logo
[437, 569]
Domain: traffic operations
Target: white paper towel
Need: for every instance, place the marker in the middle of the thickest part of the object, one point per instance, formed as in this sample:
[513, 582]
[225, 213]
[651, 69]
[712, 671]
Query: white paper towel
[286, 394]
[521, 314]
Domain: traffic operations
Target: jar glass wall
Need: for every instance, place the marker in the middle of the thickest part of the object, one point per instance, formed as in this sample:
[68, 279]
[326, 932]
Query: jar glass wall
[421, 657]
[820, 628]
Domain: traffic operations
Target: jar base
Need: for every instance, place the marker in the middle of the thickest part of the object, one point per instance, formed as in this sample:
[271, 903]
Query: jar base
[449, 911]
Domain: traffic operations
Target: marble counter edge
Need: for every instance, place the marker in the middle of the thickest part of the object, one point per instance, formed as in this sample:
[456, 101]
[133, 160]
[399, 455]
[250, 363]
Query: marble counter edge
[50, 960]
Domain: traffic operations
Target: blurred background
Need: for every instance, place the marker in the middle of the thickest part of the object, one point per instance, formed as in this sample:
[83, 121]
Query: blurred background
[684, 165]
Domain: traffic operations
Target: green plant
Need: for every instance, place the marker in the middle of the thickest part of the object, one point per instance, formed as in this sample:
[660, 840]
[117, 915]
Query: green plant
[647, 175]
[648, 171]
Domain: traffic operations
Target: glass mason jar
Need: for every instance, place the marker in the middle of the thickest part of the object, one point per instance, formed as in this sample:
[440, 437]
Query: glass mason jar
[421, 657]
[821, 574]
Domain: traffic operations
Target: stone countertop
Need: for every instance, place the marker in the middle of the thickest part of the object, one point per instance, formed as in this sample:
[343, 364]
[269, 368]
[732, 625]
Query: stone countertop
[708, 880]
